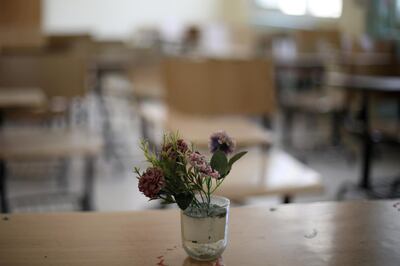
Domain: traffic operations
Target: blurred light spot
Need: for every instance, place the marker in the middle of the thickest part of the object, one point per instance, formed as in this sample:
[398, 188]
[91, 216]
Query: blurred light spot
[328, 9]
[293, 7]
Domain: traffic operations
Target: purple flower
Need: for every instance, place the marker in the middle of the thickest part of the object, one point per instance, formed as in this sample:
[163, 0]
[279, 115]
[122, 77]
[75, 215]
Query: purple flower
[199, 162]
[171, 152]
[151, 182]
[221, 141]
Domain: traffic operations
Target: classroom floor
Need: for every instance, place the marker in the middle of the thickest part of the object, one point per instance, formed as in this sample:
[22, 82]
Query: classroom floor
[116, 185]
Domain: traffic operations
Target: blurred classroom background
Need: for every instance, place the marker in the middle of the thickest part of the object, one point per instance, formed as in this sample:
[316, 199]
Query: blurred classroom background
[310, 88]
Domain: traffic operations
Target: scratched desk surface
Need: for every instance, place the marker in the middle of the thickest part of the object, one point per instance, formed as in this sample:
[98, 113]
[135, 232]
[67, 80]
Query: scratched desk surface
[354, 233]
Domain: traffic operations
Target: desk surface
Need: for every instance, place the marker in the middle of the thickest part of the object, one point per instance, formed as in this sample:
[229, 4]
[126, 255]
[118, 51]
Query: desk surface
[21, 98]
[44, 143]
[364, 82]
[362, 58]
[283, 176]
[357, 233]
[314, 60]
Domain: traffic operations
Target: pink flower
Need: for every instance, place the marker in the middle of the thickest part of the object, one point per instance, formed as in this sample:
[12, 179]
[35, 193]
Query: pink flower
[199, 162]
[151, 182]
[171, 152]
[221, 141]
[215, 174]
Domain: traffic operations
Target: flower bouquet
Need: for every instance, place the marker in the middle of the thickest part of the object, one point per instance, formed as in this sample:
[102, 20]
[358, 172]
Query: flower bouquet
[180, 174]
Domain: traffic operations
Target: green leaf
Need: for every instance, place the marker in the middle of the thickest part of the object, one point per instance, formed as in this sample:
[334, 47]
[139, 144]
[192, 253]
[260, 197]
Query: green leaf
[167, 199]
[219, 162]
[183, 200]
[236, 157]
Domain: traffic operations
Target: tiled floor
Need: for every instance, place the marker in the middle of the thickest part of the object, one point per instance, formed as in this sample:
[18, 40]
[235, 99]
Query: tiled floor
[116, 185]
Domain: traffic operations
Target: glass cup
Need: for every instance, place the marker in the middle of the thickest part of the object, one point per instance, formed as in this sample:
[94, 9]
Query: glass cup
[205, 230]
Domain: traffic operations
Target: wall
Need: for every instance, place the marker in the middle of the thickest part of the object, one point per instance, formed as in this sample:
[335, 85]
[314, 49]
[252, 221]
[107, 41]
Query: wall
[353, 20]
[119, 18]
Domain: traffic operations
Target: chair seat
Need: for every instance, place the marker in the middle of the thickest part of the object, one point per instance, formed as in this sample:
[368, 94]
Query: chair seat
[197, 129]
[284, 176]
[45, 143]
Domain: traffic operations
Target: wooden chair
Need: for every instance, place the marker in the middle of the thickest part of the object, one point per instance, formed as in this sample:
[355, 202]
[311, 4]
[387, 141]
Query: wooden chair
[219, 86]
[57, 74]
[62, 76]
[306, 95]
[206, 95]
[210, 94]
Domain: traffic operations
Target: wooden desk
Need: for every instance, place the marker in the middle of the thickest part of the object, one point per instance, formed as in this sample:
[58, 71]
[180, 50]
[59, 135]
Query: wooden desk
[366, 85]
[49, 144]
[284, 176]
[345, 234]
[364, 59]
[281, 174]
[20, 98]
[379, 84]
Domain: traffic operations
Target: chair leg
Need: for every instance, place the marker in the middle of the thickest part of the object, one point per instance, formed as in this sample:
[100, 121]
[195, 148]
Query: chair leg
[144, 127]
[395, 188]
[341, 193]
[288, 126]
[336, 124]
[3, 190]
[62, 179]
[87, 200]
[264, 153]
[287, 199]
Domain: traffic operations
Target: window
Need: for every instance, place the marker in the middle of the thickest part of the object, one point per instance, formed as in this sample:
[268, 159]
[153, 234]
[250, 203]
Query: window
[316, 8]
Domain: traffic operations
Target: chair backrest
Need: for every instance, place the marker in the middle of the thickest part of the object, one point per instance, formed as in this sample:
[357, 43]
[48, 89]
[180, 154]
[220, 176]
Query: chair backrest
[81, 43]
[57, 74]
[21, 24]
[219, 86]
[317, 41]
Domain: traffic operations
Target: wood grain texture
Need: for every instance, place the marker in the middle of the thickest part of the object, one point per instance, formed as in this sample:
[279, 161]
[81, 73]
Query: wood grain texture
[345, 234]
